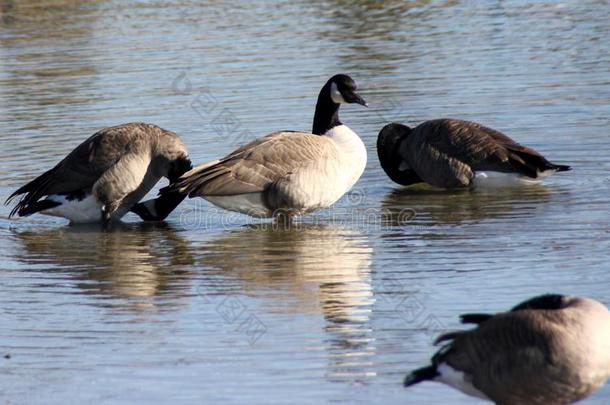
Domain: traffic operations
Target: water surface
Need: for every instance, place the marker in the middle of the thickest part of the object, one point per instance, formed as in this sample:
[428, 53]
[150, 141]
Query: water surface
[212, 306]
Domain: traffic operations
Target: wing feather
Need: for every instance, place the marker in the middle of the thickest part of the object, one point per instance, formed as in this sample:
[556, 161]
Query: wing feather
[449, 151]
[254, 167]
[512, 349]
[83, 167]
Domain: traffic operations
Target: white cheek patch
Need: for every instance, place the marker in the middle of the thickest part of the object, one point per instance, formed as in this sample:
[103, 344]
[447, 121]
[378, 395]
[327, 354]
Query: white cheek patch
[335, 94]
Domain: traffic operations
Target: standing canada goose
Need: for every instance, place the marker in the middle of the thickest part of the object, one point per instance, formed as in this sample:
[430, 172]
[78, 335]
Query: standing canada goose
[287, 173]
[453, 153]
[105, 176]
[551, 349]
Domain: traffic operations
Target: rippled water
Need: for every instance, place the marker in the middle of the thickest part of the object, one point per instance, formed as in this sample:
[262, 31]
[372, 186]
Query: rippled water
[212, 306]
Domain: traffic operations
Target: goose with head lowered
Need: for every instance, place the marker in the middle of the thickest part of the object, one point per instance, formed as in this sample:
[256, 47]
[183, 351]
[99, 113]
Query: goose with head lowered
[286, 173]
[105, 176]
[451, 153]
[551, 349]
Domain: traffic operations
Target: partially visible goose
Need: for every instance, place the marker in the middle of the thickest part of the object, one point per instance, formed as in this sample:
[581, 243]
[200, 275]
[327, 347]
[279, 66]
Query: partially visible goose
[106, 175]
[287, 173]
[551, 349]
[453, 153]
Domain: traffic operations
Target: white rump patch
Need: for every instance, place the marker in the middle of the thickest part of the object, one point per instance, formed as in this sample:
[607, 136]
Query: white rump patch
[335, 94]
[87, 210]
[546, 173]
[457, 379]
[500, 179]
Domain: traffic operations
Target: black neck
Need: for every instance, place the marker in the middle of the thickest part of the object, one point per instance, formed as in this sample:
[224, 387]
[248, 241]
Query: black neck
[548, 301]
[327, 112]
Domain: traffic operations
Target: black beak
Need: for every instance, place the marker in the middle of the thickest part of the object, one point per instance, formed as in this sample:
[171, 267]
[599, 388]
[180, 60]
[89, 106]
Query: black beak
[355, 98]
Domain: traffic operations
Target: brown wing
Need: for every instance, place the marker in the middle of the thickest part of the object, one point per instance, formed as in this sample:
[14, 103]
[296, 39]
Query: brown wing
[81, 169]
[512, 357]
[255, 166]
[449, 151]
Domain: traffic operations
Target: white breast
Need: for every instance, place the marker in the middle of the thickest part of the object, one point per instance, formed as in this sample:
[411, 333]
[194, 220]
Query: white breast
[499, 179]
[319, 184]
[324, 182]
[352, 155]
[87, 210]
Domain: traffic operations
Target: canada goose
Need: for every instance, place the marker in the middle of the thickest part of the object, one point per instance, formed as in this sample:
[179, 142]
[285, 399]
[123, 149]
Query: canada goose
[105, 176]
[453, 153]
[551, 349]
[287, 173]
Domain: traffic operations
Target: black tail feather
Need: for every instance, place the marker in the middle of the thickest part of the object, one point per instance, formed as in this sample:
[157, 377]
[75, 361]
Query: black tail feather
[421, 374]
[474, 318]
[561, 168]
[29, 209]
[35, 188]
[532, 163]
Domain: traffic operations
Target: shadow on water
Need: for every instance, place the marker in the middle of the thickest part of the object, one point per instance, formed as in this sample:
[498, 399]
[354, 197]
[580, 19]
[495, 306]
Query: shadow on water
[306, 269]
[134, 263]
[434, 206]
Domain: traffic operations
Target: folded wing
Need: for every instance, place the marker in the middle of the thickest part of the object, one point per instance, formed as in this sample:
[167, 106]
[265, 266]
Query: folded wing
[78, 172]
[254, 167]
[450, 151]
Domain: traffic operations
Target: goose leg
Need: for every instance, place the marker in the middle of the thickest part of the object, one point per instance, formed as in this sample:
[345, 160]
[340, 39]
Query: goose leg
[105, 213]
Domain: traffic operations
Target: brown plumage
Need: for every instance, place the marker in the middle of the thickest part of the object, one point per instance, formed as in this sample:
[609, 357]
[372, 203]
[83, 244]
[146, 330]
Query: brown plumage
[448, 153]
[264, 166]
[117, 166]
[287, 173]
[258, 164]
[552, 349]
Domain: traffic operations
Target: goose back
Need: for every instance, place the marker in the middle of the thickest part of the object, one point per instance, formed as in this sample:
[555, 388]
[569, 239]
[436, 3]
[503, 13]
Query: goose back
[550, 349]
[287, 168]
[448, 152]
[117, 165]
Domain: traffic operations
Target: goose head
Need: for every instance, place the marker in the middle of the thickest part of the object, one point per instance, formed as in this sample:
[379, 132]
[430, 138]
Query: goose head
[338, 90]
[342, 89]
[396, 166]
[178, 167]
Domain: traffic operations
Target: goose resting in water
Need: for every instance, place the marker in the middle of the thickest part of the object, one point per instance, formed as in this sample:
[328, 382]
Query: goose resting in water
[551, 349]
[105, 176]
[452, 153]
[286, 173]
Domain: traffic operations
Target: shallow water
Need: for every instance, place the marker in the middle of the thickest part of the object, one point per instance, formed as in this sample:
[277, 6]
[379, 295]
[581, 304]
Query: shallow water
[212, 306]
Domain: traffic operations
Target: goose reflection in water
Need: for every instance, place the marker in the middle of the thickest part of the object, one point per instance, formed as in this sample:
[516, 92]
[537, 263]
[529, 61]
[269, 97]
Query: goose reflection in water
[134, 263]
[309, 269]
[433, 206]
